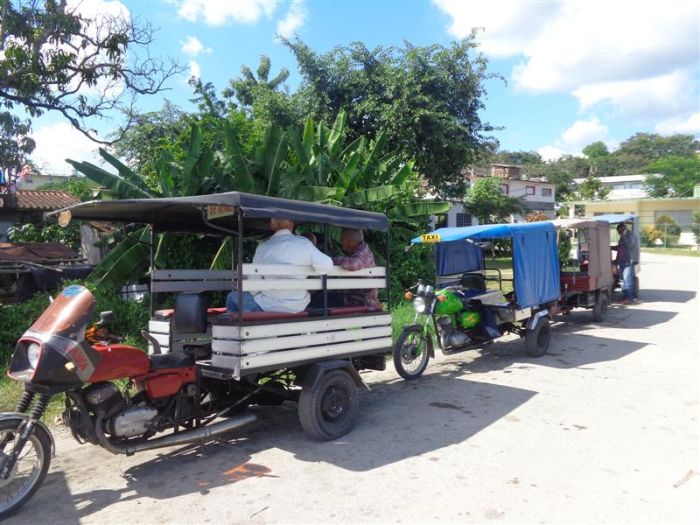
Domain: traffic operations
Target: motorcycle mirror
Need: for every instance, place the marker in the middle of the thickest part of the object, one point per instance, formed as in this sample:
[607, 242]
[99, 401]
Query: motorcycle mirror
[106, 317]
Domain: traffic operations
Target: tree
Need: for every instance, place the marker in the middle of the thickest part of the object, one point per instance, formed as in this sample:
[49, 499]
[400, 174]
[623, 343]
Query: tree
[80, 187]
[591, 189]
[669, 228]
[15, 142]
[53, 58]
[695, 227]
[651, 146]
[596, 150]
[245, 88]
[677, 176]
[426, 99]
[517, 158]
[488, 203]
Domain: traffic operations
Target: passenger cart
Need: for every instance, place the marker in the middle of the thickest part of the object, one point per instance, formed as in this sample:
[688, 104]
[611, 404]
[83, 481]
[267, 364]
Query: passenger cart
[204, 366]
[461, 313]
[587, 279]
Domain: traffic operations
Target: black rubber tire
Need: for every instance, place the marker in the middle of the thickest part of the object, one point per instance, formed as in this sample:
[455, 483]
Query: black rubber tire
[399, 363]
[600, 308]
[40, 439]
[329, 410]
[537, 340]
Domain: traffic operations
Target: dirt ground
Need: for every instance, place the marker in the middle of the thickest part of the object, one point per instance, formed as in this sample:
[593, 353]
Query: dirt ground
[602, 429]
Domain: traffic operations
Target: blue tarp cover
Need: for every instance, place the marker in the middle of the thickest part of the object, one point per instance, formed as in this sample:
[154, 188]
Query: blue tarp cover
[535, 259]
[458, 257]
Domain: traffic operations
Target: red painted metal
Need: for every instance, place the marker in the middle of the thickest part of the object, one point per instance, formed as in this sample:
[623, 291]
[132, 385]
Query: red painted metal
[119, 361]
[165, 382]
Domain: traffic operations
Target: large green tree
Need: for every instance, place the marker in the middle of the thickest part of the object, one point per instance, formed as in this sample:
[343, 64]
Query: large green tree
[55, 59]
[651, 146]
[677, 176]
[426, 99]
[488, 203]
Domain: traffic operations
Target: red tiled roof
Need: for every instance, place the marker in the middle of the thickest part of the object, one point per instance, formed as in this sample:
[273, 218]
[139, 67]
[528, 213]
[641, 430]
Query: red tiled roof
[34, 251]
[44, 200]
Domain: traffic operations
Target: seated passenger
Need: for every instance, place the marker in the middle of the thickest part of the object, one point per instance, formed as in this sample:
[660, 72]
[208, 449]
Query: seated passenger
[283, 247]
[359, 256]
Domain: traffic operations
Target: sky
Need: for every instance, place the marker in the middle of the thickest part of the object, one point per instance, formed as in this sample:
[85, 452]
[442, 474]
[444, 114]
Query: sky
[575, 71]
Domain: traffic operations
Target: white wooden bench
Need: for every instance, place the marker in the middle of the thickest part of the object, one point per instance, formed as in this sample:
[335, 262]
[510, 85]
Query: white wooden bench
[281, 340]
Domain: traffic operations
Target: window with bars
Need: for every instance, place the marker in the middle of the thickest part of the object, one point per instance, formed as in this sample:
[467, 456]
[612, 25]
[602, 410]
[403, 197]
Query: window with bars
[529, 190]
[463, 219]
[546, 192]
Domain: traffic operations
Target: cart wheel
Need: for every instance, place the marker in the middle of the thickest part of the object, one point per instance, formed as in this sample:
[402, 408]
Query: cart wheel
[600, 308]
[537, 340]
[412, 352]
[328, 411]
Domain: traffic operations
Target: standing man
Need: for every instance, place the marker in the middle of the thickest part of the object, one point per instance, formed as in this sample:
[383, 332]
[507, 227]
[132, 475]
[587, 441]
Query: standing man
[359, 256]
[283, 247]
[627, 257]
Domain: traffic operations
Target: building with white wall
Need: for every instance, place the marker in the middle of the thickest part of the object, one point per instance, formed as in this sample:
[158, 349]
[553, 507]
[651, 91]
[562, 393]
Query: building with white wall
[623, 186]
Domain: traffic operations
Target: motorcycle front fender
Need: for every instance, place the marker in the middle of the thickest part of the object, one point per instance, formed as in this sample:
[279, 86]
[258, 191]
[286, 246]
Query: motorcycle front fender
[18, 415]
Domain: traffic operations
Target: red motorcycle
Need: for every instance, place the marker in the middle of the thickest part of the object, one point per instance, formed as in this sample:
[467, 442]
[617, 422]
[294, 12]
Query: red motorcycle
[163, 392]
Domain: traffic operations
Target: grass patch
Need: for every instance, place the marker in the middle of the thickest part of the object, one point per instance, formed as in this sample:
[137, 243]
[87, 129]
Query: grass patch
[672, 251]
[401, 315]
[11, 391]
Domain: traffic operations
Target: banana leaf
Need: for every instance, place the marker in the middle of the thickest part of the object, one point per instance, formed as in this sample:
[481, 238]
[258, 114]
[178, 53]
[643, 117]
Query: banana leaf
[236, 162]
[307, 138]
[124, 171]
[122, 188]
[125, 262]
[194, 151]
[402, 175]
[303, 160]
[348, 173]
[166, 173]
[314, 193]
[417, 209]
[222, 259]
[369, 196]
[337, 133]
[276, 144]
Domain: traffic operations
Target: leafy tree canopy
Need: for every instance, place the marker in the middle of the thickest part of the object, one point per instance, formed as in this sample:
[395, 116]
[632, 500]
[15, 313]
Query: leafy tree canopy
[596, 150]
[651, 146]
[55, 59]
[426, 99]
[677, 176]
[488, 203]
[15, 143]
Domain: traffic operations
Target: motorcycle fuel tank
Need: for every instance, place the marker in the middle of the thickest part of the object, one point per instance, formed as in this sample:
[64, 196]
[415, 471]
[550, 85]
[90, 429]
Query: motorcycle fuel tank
[451, 304]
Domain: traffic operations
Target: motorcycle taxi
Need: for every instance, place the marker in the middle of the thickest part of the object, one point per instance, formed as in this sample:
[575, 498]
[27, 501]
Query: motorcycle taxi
[204, 366]
[461, 313]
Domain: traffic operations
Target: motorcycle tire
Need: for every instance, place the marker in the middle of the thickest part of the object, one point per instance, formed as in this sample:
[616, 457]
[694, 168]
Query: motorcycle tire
[405, 354]
[40, 441]
[537, 340]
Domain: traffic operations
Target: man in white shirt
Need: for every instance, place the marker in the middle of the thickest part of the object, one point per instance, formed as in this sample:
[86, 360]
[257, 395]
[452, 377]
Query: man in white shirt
[283, 247]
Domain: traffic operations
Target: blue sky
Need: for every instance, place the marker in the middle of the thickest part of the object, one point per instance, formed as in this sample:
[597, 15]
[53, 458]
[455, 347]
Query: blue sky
[577, 71]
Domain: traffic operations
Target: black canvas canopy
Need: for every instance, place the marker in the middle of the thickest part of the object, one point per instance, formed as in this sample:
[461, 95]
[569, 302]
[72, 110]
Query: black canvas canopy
[211, 213]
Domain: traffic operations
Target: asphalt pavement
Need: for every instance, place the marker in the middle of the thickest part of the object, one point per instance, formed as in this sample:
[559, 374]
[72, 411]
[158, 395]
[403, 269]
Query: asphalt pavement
[603, 429]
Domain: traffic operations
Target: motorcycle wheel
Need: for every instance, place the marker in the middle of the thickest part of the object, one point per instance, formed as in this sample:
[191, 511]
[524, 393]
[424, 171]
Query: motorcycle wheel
[29, 471]
[412, 352]
[537, 340]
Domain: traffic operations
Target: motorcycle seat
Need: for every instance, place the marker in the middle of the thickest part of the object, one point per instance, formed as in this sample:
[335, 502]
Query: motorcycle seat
[171, 360]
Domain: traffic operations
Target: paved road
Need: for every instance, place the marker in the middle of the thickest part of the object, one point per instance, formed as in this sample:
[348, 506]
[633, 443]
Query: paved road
[603, 429]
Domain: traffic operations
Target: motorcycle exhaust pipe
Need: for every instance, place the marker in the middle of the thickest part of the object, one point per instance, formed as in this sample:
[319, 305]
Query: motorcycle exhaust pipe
[188, 436]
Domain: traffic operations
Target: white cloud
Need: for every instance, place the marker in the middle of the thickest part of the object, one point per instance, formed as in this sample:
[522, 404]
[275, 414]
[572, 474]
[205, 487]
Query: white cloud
[193, 47]
[296, 16]
[60, 141]
[221, 12]
[576, 137]
[550, 153]
[680, 125]
[586, 47]
[195, 69]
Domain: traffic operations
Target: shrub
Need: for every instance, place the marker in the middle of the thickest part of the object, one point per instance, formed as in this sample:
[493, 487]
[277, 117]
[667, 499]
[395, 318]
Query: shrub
[695, 227]
[669, 229]
[649, 235]
[15, 319]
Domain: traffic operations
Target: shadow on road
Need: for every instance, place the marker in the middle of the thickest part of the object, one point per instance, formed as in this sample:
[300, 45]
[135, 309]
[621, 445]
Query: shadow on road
[666, 296]
[634, 318]
[398, 420]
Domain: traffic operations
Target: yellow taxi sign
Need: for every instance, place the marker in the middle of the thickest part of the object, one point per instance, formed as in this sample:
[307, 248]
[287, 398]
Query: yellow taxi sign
[214, 211]
[430, 237]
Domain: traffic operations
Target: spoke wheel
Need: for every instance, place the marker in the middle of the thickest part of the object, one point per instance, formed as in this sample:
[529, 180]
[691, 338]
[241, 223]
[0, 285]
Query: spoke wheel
[412, 353]
[29, 470]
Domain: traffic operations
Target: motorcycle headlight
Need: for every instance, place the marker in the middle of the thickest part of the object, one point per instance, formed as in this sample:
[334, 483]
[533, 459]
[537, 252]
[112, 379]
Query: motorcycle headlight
[419, 304]
[33, 354]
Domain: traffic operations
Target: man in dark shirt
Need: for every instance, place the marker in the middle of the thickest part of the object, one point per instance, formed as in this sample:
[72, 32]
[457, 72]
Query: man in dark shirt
[359, 256]
[627, 253]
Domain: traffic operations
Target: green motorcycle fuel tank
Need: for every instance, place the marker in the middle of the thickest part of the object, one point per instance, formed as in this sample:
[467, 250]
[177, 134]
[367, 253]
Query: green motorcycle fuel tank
[452, 305]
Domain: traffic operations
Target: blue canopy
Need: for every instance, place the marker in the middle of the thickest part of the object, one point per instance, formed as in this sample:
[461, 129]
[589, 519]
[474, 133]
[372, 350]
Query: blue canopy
[458, 257]
[535, 258]
[615, 218]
